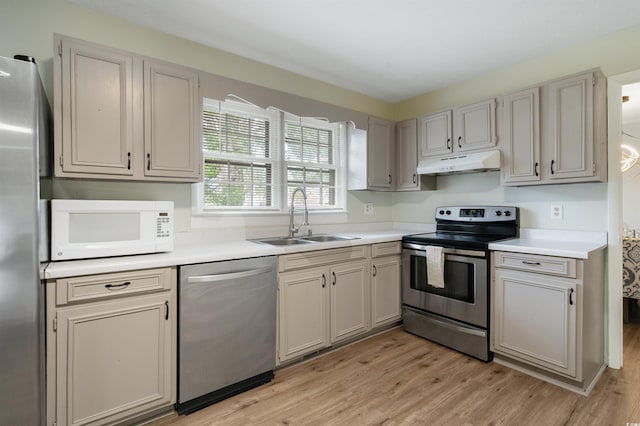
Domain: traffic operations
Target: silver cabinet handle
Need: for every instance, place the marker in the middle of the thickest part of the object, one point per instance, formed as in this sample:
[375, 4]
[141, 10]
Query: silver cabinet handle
[228, 276]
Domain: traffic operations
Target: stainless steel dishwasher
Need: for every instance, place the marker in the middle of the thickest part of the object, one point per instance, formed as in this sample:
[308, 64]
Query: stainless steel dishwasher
[226, 329]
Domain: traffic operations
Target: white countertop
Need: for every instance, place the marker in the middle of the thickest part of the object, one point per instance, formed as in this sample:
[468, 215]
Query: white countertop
[549, 247]
[188, 252]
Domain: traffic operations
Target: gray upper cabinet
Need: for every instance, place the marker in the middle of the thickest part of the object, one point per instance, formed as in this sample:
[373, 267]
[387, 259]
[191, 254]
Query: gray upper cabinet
[171, 104]
[570, 131]
[475, 126]
[408, 178]
[465, 128]
[371, 162]
[94, 99]
[522, 136]
[380, 154]
[436, 134]
[567, 143]
[118, 115]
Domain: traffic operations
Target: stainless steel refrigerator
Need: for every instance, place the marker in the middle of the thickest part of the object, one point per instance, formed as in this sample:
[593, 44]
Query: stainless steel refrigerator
[24, 127]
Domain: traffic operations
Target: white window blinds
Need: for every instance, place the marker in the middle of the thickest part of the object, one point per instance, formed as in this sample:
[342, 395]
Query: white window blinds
[240, 161]
[311, 153]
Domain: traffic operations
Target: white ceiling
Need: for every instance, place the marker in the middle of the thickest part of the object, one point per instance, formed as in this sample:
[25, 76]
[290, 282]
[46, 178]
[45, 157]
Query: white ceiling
[388, 49]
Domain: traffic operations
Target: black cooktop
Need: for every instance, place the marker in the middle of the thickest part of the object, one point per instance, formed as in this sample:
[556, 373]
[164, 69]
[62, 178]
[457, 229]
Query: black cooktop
[451, 239]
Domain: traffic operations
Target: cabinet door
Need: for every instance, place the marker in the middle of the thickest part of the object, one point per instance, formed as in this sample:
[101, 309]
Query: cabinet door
[385, 290]
[303, 307]
[475, 126]
[171, 121]
[113, 359]
[97, 111]
[522, 136]
[570, 120]
[407, 155]
[535, 319]
[350, 306]
[380, 153]
[435, 134]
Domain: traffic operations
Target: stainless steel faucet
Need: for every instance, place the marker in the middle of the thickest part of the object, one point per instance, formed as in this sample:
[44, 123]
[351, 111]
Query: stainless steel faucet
[292, 227]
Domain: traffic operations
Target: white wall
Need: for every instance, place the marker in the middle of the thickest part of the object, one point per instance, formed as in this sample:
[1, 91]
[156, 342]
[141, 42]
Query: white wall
[583, 204]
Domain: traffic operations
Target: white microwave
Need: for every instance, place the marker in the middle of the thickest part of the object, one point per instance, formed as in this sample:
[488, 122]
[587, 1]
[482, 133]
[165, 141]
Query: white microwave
[82, 229]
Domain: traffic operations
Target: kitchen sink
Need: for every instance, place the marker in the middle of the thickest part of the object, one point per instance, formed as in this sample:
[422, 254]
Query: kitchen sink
[282, 241]
[327, 238]
[286, 241]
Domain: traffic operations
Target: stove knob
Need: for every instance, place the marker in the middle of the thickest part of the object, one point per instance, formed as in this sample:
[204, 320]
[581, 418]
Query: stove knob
[498, 213]
[507, 213]
[448, 211]
[441, 212]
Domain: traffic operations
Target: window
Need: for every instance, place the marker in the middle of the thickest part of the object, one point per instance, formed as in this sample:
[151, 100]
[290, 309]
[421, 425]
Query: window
[255, 158]
[310, 154]
[240, 161]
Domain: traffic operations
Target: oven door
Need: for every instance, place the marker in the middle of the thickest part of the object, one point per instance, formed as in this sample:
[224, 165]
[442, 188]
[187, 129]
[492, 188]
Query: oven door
[464, 296]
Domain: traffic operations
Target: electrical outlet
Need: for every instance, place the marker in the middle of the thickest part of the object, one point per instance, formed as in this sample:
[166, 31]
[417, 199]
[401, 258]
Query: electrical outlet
[556, 211]
[368, 208]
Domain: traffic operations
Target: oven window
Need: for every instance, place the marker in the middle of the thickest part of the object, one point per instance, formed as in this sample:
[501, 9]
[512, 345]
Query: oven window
[458, 279]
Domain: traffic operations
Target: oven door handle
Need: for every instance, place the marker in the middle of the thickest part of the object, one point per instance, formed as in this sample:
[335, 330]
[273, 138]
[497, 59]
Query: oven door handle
[419, 250]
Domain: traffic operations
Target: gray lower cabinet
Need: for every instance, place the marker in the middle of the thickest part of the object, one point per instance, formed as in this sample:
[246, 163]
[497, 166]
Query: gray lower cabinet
[547, 313]
[385, 283]
[111, 347]
[556, 132]
[328, 297]
[323, 298]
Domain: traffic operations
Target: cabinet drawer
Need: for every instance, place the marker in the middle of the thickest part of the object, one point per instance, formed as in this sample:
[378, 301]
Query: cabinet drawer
[103, 286]
[385, 249]
[321, 257]
[560, 266]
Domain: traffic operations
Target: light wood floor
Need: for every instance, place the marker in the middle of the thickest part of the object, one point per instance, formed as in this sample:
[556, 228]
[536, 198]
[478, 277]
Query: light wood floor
[399, 379]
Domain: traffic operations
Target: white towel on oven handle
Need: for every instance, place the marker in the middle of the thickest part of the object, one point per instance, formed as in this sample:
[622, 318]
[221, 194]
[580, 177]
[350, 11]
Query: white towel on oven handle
[435, 266]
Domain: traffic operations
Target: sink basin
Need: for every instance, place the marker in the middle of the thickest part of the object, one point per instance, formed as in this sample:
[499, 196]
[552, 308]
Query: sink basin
[282, 241]
[327, 238]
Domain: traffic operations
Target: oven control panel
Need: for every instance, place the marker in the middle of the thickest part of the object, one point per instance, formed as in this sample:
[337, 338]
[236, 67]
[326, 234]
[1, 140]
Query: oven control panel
[477, 213]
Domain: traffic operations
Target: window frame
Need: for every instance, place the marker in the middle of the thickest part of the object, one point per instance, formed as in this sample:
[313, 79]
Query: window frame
[277, 158]
[242, 109]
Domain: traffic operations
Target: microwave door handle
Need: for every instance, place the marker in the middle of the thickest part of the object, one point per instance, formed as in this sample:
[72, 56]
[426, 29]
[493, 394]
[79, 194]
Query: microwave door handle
[228, 276]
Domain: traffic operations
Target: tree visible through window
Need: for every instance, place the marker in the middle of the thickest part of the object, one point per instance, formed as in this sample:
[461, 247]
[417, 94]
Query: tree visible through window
[238, 168]
[254, 159]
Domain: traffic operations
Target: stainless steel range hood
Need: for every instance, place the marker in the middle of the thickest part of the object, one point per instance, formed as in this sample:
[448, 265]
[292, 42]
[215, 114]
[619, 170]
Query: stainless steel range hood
[461, 163]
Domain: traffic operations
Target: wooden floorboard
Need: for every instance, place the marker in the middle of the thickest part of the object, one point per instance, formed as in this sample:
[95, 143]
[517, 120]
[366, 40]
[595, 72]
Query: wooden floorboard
[399, 379]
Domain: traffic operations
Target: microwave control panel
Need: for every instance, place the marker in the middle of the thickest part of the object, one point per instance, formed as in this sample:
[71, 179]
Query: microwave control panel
[164, 227]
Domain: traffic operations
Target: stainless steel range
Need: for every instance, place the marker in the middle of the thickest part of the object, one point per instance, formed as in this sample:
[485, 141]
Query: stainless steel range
[445, 276]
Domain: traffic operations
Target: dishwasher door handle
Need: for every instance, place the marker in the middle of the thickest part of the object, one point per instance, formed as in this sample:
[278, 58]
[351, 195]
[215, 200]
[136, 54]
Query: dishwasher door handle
[227, 276]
